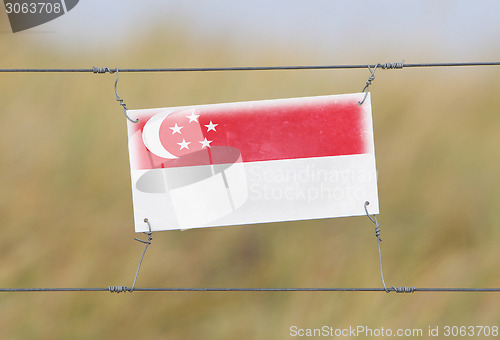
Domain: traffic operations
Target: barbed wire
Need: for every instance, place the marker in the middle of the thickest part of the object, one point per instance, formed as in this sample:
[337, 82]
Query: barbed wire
[398, 65]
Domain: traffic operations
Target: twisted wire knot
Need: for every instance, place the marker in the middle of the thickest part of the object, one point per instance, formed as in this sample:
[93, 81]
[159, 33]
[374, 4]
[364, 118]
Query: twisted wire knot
[118, 289]
[392, 66]
[103, 70]
[374, 220]
[385, 66]
[122, 103]
[369, 81]
[378, 231]
[402, 289]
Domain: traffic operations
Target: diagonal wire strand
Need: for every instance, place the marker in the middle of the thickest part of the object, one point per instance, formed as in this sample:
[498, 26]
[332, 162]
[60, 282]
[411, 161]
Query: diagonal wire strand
[377, 234]
[147, 243]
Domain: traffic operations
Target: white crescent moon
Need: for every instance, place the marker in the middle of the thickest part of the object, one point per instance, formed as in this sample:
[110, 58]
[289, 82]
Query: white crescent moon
[151, 135]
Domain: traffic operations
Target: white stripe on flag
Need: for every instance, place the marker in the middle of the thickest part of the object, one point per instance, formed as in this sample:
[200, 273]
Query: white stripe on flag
[283, 190]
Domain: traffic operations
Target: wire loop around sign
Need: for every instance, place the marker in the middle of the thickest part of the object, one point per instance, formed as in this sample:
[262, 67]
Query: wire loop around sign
[122, 289]
[377, 234]
[118, 99]
[102, 70]
[147, 242]
[384, 66]
[368, 83]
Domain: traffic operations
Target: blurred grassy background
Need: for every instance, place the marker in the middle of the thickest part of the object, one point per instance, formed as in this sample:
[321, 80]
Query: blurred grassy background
[66, 209]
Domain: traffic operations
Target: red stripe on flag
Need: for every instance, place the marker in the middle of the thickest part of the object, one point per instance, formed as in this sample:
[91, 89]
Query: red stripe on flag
[261, 131]
[289, 131]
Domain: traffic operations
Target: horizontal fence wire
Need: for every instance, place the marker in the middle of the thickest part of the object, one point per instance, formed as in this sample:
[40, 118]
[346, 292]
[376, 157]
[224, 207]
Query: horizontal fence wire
[120, 289]
[248, 68]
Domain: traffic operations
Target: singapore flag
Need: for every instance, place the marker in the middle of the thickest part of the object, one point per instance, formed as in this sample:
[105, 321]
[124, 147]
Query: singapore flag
[252, 162]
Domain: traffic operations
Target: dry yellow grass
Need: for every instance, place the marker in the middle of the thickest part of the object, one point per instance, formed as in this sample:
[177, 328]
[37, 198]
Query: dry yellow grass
[66, 210]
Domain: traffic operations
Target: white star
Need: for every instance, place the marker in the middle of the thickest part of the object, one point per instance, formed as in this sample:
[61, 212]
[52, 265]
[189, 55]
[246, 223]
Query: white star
[205, 143]
[176, 129]
[193, 117]
[184, 144]
[211, 126]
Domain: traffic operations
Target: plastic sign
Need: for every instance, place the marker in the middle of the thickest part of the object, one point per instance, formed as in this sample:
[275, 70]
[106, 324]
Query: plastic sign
[252, 162]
